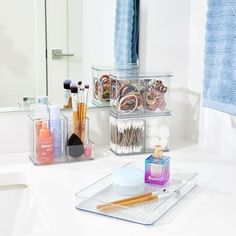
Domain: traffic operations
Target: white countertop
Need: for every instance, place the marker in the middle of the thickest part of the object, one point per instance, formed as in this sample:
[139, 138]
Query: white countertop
[208, 210]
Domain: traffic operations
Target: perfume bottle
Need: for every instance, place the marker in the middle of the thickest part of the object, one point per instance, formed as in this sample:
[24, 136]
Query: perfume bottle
[157, 167]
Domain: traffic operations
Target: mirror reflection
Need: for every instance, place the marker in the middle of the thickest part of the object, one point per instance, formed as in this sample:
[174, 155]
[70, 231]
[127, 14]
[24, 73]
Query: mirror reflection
[41, 47]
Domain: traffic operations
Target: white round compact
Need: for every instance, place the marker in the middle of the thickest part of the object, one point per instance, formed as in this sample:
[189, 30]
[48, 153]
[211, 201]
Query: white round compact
[128, 181]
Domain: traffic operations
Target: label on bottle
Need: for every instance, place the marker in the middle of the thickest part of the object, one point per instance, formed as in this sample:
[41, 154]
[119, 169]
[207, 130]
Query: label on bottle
[156, 170]
[45, 151]
[55, 127]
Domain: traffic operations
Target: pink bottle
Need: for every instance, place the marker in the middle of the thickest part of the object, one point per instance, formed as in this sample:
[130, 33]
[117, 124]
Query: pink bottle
[45, 145]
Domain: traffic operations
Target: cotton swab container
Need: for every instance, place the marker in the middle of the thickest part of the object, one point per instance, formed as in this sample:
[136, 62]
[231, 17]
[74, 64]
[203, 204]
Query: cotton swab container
[127, 135]
[137, 135]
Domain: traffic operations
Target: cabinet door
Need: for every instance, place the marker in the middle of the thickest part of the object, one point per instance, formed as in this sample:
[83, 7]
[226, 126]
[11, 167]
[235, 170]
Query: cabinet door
[84, 28]
[64, 44]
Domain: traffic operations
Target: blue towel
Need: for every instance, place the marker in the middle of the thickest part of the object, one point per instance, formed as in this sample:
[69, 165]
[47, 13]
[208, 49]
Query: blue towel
[220, 56]
[135, 33]
[126, 32]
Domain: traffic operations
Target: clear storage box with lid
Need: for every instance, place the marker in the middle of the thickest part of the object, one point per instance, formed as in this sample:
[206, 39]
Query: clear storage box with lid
[138, 134]
[134, 92]
[102, 82]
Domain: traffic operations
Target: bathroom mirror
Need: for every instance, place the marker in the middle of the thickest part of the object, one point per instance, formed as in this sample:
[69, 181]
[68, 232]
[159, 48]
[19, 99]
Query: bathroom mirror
[41, 47]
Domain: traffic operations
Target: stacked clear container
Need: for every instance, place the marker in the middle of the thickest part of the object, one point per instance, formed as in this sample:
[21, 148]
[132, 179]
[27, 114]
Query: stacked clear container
[135, 93]
[75, 150]
[52, 141]
[140, 114]
[102, 82]
[127, 135]
[137, 135]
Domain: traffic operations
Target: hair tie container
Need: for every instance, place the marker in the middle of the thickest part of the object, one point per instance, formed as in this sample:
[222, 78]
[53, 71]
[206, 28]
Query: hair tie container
[136, 93]
[157, 93]
[101, 85]
[102, 82]
[128, 93]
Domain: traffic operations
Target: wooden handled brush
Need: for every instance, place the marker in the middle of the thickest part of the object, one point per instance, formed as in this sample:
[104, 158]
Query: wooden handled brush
[83, 111]
[137, 199]
[75, 144]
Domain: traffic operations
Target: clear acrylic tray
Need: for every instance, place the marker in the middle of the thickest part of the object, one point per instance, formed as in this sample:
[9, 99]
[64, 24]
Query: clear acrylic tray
[148, 213]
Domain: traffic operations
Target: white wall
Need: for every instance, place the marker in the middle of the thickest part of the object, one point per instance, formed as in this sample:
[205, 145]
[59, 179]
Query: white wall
[172, 38]
[98, 35]
[164, 45]
[217, 130]
[22, 62]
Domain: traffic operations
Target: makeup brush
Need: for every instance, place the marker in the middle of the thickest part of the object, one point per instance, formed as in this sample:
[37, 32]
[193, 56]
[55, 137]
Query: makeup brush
[74, 96]
[85, 106]
[83, 110]
[79, 84]
[75, 145]
[67, 97]
[137, 199]
[86, 93]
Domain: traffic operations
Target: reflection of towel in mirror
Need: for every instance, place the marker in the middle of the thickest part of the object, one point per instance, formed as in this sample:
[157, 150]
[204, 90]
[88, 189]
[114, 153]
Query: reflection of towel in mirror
[126, 32]
[220, 57]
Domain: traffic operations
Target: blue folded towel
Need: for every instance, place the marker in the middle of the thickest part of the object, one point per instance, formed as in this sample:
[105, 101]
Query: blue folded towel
[126, 32]
[220, 56]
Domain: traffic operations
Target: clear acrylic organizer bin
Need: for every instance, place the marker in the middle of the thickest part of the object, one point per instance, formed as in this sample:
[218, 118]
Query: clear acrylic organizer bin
[50, 142]
[101, 85]
[127, 135]
[137, 93]
[137, 135]
[74, 147]
[102, 192]
[102, 82]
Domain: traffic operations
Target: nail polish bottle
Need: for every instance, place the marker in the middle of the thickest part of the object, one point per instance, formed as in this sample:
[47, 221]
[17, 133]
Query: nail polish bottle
[157, 167]
[45, 145]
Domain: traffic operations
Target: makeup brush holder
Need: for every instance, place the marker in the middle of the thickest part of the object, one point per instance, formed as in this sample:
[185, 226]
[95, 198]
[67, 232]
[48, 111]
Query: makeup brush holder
[78, 146]
[102, 82]
[134, 93]
[138, 135]
[50, 141]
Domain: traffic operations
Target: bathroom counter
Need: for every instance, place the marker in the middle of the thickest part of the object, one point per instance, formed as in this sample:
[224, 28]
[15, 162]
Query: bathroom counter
[208, 210]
